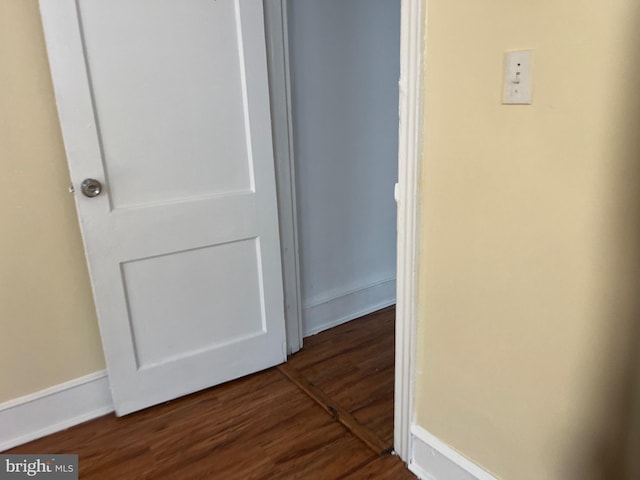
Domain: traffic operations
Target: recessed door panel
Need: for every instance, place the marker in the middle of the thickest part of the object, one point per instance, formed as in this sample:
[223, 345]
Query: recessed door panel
[157, 298]
[169, 95]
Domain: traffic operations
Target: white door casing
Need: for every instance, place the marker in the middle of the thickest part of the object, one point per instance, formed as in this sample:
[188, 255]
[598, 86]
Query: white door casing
[276, 22]
[167, 104]
[412, 58]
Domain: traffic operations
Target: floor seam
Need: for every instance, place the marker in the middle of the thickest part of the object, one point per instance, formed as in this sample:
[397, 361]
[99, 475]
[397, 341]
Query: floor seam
[338, 412]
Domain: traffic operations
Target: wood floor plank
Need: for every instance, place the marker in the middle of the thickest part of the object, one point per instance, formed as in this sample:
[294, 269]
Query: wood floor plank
[389, 467]
[261, 426]
[353, 364]
[336, 411]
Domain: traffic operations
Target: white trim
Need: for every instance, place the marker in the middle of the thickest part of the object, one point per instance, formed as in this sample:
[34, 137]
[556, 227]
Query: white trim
[409, 156]
[53, 409]
[432, 459]
[281, 121]
[323, 313]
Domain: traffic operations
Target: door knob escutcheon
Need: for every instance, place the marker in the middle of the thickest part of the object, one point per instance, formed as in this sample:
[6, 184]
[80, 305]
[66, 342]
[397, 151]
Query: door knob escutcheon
[91, 187]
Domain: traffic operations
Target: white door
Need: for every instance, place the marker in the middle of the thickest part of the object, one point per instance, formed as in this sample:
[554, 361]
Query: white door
[166, 104]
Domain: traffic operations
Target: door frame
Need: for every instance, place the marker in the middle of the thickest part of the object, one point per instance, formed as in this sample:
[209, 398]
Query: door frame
[410, 142]
[409, 158]
[276, 31]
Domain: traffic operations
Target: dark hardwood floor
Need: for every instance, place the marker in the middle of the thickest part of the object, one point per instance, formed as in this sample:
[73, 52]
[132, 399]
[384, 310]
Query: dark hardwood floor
[354, 365]
[259, 427]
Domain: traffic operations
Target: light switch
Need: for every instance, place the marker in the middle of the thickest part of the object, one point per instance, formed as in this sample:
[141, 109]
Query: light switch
[517, 78]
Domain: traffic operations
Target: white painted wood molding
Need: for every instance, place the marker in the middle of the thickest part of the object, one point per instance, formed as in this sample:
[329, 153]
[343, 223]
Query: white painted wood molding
[432, 459]
[53, 409]
[282, 126]
[409, 157]
[323, 313]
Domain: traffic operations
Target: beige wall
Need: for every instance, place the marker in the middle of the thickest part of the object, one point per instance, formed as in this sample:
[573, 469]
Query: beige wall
[530, 253]
[529, 267]
[48, 327]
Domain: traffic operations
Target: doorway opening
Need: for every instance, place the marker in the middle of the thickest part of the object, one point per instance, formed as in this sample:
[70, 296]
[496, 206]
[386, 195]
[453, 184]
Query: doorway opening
[342, 65]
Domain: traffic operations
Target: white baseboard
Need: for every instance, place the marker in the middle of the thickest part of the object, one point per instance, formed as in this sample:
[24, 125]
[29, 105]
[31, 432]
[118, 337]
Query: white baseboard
[322, 314]
[56, 408]
[432, 459]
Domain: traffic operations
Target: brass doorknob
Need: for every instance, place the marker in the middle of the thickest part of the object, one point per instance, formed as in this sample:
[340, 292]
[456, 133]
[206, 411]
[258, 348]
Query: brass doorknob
[91, 187]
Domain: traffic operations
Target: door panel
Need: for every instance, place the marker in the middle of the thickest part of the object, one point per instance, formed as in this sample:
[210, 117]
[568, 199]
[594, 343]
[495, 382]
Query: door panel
[156, 298]
[166, 102]
[171, 69]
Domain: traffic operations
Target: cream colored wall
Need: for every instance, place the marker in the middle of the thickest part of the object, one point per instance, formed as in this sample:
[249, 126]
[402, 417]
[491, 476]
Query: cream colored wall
[48, 327]
[530, 258]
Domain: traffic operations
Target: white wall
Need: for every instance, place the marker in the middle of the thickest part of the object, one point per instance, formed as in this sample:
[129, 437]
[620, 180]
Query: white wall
[345, 68]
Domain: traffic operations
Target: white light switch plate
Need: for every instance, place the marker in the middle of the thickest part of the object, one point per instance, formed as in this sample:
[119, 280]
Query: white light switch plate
[517, 78]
